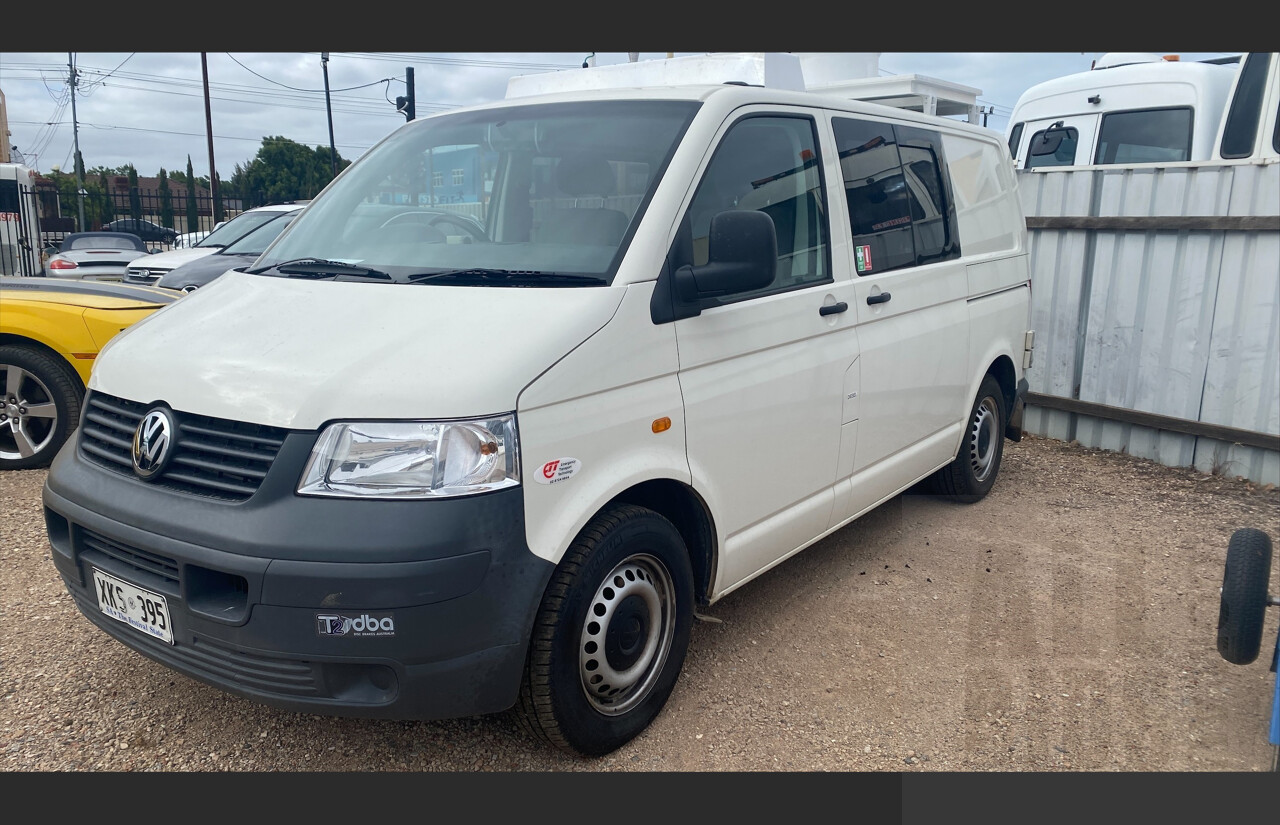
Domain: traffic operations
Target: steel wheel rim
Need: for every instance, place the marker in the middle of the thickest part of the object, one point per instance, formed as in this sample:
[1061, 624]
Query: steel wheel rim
[984, 438]
[626, 634]
[28, 419]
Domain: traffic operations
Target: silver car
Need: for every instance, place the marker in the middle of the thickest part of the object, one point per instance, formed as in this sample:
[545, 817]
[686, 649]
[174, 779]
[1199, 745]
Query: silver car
[96, 256]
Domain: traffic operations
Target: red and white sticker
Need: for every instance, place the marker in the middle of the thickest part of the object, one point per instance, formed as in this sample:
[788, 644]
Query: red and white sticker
[557, 470]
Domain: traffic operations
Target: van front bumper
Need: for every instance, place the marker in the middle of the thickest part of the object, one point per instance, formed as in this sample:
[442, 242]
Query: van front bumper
[384, 609]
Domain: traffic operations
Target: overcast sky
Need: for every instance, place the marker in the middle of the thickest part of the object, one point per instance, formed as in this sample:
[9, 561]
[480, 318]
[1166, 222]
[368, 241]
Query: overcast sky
[148, 108]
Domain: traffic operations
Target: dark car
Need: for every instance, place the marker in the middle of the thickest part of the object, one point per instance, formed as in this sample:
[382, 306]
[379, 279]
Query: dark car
[148, 231]
[236, 255]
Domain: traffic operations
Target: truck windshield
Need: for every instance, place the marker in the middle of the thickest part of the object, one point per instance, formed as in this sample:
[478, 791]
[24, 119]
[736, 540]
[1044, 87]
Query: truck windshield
[551, 189]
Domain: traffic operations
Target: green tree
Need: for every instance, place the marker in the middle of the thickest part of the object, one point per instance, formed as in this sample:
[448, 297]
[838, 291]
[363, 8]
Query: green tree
[135, 198]
[166, 200]
[106, 208]
[219, 213]
[284, 170]
[193, 220]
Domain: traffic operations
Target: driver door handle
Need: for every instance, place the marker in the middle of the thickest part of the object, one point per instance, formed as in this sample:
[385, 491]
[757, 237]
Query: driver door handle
[833, 309]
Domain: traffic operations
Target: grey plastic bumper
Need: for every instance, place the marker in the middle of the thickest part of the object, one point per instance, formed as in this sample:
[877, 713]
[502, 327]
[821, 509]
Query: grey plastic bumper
[387, 609]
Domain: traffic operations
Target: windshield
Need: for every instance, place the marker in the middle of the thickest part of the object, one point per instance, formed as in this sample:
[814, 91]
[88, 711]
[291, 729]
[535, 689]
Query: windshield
[522, 196]
[236, 228]
[260, 238]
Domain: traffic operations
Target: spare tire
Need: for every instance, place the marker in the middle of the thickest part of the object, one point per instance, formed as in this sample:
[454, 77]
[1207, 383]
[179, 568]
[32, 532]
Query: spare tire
[1244, 595]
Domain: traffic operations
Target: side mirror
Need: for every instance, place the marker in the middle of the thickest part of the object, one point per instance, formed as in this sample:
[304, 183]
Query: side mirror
[1047, 144]
[742, 255]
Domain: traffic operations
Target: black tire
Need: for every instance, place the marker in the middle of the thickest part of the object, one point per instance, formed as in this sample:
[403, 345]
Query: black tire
[40, 398]
[973, 472]
[630, 569]
[1244, 595]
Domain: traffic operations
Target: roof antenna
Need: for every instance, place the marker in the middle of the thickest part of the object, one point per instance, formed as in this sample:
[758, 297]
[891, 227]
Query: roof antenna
[589, 61]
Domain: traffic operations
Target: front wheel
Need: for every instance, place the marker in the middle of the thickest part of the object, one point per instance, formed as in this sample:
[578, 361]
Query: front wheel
[39, 406]
[611, 634]
[973, 472]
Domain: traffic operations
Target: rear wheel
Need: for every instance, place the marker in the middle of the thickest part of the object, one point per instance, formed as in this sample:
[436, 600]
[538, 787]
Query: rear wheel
[973, 472]
[610, 635]
[39, 406]
[1243, 603]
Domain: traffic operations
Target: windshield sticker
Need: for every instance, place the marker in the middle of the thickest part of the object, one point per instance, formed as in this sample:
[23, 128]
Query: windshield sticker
[863, 255]
[554, 472]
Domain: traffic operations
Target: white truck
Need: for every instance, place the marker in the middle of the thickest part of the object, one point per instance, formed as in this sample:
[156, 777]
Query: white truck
[1151, 189]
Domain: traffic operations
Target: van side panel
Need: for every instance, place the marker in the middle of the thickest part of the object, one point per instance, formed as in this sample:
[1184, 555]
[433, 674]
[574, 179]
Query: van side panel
[984, 189]
[597, 406]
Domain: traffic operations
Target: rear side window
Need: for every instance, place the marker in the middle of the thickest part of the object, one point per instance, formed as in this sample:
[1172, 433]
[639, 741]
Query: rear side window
[1053, 147]
[898, 191]
[1246, 107]
[1014, 137]
[1145, 136]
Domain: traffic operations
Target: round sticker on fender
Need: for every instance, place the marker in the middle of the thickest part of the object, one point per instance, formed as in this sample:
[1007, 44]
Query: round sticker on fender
[556, 471]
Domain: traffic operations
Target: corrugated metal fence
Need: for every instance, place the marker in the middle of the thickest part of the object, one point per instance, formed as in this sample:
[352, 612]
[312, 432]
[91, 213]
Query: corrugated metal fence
[1156, 305]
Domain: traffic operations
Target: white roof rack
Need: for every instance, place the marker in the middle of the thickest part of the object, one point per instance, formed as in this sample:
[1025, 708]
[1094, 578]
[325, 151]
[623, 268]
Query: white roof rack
[851, 76]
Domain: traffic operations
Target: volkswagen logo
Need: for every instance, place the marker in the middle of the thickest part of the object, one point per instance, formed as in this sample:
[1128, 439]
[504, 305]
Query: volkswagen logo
[151, 443]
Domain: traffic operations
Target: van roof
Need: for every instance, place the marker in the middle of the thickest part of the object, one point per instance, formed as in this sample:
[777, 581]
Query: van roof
[1144, 84]
[731, 95]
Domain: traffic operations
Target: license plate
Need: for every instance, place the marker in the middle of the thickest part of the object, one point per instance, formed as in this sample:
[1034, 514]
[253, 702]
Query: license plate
[138, 608]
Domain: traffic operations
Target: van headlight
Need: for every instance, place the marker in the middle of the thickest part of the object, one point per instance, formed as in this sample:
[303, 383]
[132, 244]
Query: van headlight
[413, 459]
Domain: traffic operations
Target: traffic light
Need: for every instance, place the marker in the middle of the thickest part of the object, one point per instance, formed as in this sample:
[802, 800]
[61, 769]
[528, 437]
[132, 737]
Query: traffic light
[404, 103]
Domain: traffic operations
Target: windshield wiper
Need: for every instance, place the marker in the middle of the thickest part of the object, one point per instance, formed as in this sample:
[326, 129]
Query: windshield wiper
[508, 277]
[322, 268]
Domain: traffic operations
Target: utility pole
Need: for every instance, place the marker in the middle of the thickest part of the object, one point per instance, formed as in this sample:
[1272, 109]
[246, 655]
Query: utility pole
[208, 125]
[333, 153]
[75, 132]
[405, 104]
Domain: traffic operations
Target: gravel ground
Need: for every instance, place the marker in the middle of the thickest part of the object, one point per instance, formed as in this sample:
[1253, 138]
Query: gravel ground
[1064, 623]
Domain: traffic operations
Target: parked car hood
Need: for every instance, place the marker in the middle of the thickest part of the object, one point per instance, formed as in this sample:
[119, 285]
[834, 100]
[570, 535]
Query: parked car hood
[172, 259]
[294, 353]
[203, 270]
[75, 292]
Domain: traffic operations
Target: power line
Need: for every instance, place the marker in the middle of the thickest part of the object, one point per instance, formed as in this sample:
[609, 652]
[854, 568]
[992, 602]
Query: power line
[374, 108]
[293, 88]
[458, 61]
[110, 127]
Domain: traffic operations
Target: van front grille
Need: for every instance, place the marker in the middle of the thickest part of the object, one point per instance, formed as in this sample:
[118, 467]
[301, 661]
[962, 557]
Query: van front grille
[213, 457]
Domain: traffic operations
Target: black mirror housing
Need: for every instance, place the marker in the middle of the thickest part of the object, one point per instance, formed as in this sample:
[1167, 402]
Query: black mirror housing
[742, 255]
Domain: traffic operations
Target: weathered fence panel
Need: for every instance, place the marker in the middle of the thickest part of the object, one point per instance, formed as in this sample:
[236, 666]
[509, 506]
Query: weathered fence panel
[1156, 304]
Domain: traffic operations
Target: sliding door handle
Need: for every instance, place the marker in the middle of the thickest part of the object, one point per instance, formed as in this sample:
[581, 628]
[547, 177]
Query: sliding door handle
[878, 298]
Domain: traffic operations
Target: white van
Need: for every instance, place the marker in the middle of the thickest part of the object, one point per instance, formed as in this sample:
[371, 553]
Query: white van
[1128, 108]
[401, 468]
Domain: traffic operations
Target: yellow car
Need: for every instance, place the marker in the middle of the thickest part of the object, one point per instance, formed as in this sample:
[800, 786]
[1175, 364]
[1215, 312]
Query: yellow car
[51, 329]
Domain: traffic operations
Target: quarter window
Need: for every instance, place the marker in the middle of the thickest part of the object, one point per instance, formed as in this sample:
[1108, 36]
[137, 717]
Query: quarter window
[1246, 107]
[1014, 137]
